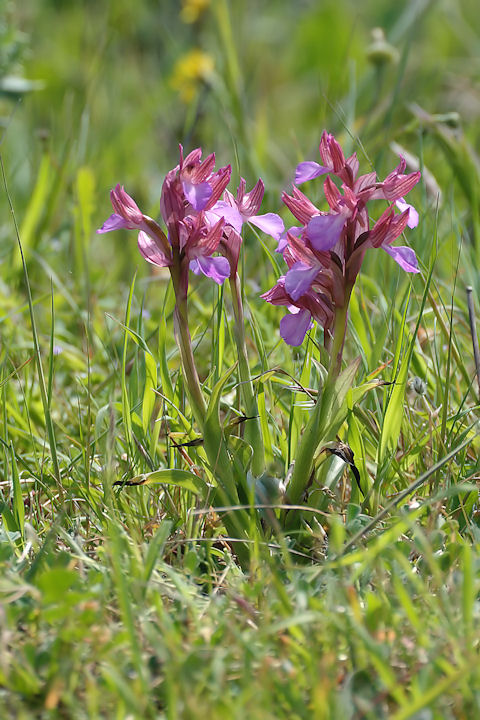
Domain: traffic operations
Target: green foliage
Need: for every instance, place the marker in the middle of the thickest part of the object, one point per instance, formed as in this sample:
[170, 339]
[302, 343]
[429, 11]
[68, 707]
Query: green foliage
[124, 589]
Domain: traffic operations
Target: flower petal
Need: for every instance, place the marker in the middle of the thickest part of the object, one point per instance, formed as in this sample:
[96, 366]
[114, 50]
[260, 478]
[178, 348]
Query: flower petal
[412, 213]
[216, 268]
[296, 230]
[270, 223]
[197, 194]
[404, 256]
[150, 250]
[309, 170]
[293, 328]
[324, 231]
[114, 222]
[230, 214]
[299, 279]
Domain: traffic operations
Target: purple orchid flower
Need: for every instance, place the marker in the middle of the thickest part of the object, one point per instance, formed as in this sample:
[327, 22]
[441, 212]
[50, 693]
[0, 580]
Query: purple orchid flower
[314, 304]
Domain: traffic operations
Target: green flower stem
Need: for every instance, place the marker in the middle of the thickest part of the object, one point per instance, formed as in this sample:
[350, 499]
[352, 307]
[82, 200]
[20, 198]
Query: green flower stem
[315, 432]
[215, 447]
[253, 433]
[221, 465]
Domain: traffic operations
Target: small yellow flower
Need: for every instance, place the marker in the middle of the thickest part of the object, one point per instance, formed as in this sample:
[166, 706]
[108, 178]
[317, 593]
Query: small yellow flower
[190, 71]
[193, 9]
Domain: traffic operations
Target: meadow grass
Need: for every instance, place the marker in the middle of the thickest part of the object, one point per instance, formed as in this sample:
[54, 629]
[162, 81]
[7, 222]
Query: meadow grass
[131, 602]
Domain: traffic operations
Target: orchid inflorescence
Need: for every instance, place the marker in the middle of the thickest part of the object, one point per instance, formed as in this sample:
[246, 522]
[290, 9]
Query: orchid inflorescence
[325, 252]
[198, 222]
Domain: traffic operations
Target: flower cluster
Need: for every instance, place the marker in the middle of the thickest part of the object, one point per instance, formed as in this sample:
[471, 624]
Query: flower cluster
[325, 251]
[199, 223]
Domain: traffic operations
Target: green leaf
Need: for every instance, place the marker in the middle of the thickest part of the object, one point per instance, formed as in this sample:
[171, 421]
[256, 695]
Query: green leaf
[179, 478]
[18, 505]
[36, 206]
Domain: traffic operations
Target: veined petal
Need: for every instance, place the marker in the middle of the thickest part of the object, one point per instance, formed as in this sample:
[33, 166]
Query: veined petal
[249, 203]
[114, 222]
[216, 268]
[309, 170]
[299, 205]
[404, 256]
[293, 328]
[402, 205]
[270, 223]
[125, 206]
[324, 231]
[197, 194]
[151, 252]
[299, 279]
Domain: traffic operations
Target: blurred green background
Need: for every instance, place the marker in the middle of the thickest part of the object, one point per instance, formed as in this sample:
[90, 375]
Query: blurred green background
[121, 87]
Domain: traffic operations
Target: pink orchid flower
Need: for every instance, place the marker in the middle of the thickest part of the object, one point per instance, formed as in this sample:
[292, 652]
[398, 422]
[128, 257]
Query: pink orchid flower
[324, 254]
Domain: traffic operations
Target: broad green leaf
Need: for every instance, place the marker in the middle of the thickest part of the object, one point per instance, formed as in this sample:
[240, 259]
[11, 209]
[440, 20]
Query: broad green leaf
[148, 394]
[36, 206]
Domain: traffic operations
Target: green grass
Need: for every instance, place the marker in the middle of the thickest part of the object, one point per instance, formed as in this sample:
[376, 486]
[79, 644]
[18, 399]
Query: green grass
[130, 602]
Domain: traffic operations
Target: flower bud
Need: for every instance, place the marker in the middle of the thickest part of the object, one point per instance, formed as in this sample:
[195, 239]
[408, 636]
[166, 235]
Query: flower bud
[380, 52]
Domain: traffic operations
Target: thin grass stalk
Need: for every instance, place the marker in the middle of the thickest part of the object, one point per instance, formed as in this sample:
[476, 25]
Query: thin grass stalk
[41, 378]
[253, 433]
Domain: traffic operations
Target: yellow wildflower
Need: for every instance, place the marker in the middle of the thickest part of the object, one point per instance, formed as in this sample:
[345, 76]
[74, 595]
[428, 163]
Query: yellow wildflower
[190, 71]
[193, 9]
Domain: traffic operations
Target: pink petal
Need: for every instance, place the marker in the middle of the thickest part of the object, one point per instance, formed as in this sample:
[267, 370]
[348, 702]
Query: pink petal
[309, 170]
[197, 194]
[412, 213]
[270, 223]
[114, 222]
[216, 268]
[230, 214]
[151, 252]
[293, 328]
[299, 279]
[296, 230]
[404, 256]
[324, 231]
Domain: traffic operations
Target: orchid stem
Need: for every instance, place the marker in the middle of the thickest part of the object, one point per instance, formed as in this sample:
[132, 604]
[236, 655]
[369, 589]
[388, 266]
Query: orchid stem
[314, 432]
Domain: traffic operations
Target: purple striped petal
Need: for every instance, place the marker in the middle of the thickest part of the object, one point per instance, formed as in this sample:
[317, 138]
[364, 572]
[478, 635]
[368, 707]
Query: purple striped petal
[404, 256]
[293, 328]
[412, 213]
[114, 222]
[309, 170]
[299, 279]
[270, 223]
[197, 194]
[324, 231]
[150, 250]
[216, 268]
